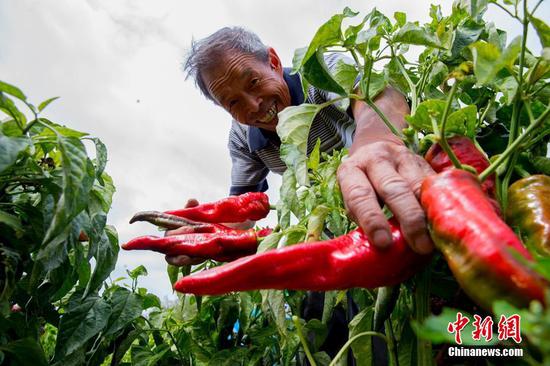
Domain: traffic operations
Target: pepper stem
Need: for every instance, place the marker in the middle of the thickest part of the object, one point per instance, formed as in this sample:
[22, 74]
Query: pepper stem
[345, 347]
[298, 326]
[442, 139]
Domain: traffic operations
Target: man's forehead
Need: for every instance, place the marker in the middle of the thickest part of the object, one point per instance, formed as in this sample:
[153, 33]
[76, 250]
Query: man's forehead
[228, 69]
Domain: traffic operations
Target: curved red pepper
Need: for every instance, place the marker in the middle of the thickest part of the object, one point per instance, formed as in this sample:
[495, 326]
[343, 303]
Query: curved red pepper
[221, 246]
[476, 242]
[467, 153]
[340, 263]
[248, 206]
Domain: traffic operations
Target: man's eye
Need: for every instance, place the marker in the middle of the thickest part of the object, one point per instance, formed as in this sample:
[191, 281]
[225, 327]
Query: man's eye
[254, 81]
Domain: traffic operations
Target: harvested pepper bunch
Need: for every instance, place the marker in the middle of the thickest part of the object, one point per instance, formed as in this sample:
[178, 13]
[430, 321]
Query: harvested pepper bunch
[477, 244]
[344, 262]
[467, 153]
[248, 206]
[529, 211]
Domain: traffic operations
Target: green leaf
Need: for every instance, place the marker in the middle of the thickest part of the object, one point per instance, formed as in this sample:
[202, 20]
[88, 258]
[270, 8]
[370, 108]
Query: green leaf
[362, 347]
[12, 90]
[317, 74]
[329, 34]
[11, 221]
[293, 129]
[400, 17]
[126, 307]
[273, 303]
[80, 324]
[10, 148]
[138, 271]
[105, 256]
[543, 30]
[488, 60]
[61, 130]
[475, 8]
[150, 301]
[104, 191]
[316, 223]
[345, 75]
[26, 351]
[78, 175]
[8, 106]
[411, 33]
[270, 242]
[421, 120]
[101, 157]
[316, 331]
[315, 156]
[438, 74]
[509, 87]
[45, 103]
[377, 84]
[465, 35]
[463, 121]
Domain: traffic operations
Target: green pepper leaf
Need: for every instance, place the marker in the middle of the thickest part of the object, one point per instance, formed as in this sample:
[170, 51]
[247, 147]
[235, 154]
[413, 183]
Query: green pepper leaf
[421, 120]
[12, 90]
[45, 103]
[412, 33]
[362, 347]
[10, 148]
[329, 34]
[543, 30]
[463, 121]
[126, 307]
[81, 323]
[26, 351]
[488, 60]
[317, 74]
[78, 175]
[293, 129]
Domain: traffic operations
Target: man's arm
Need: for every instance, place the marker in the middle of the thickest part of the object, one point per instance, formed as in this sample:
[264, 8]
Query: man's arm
[380, 165]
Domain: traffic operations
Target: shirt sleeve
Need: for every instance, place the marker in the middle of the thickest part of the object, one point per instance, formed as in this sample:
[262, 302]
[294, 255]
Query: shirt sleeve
[248, 172]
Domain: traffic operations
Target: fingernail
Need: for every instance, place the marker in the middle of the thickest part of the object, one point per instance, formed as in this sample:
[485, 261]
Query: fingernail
[382, 238]
[424, 244]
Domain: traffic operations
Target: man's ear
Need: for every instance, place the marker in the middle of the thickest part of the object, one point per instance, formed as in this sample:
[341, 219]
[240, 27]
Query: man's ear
[274, 60]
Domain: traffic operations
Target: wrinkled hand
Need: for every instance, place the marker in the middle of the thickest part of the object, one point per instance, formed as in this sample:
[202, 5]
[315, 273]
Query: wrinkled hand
[182, 260]
[387, 169]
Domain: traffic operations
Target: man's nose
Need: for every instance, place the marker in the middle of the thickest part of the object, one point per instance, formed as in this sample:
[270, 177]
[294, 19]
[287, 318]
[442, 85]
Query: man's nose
[254, 102]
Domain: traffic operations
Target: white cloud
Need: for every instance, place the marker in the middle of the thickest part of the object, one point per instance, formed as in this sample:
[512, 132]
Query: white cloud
[116, 66]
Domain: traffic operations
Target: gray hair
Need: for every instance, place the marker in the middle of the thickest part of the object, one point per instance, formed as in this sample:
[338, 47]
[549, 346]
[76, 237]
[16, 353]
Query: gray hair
[207, 53]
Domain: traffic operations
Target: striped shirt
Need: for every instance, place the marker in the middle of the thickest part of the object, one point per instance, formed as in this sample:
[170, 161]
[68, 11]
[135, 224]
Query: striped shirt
[255, 152]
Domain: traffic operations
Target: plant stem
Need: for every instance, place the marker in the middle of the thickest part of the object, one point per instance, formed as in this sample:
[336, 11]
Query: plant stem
[510, 149]
[392, 349]
[298, 326]
[442, 139]
[414, 101]
[506, 10]
[353, 339]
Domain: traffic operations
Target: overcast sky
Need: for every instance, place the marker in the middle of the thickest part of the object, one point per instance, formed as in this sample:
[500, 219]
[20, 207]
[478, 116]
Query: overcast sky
[116, 64]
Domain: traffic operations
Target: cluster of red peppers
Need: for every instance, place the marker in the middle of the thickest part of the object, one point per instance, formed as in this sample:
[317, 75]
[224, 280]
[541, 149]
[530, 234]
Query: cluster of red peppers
[483, 252]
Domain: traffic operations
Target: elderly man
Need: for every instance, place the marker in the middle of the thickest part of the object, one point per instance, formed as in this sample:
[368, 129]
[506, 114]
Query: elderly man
[235, 70]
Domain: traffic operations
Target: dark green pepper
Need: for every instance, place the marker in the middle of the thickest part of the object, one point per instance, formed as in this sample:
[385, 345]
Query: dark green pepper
[529, 211]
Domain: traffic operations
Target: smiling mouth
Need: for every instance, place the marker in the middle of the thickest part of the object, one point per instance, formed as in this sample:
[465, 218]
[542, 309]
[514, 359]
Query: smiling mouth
[270, 114]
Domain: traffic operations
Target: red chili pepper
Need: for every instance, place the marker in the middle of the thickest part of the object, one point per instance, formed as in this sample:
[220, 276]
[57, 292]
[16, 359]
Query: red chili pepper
[476, 242]
[248, 206]
[344, 262]
[467, 153]
[220, 246]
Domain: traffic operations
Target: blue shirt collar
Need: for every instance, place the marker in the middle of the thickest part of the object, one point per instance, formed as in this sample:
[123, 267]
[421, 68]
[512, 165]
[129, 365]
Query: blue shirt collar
[259, 138]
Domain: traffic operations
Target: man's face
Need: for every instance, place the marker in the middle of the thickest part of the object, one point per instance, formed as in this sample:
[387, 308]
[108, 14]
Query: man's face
[252, 91]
